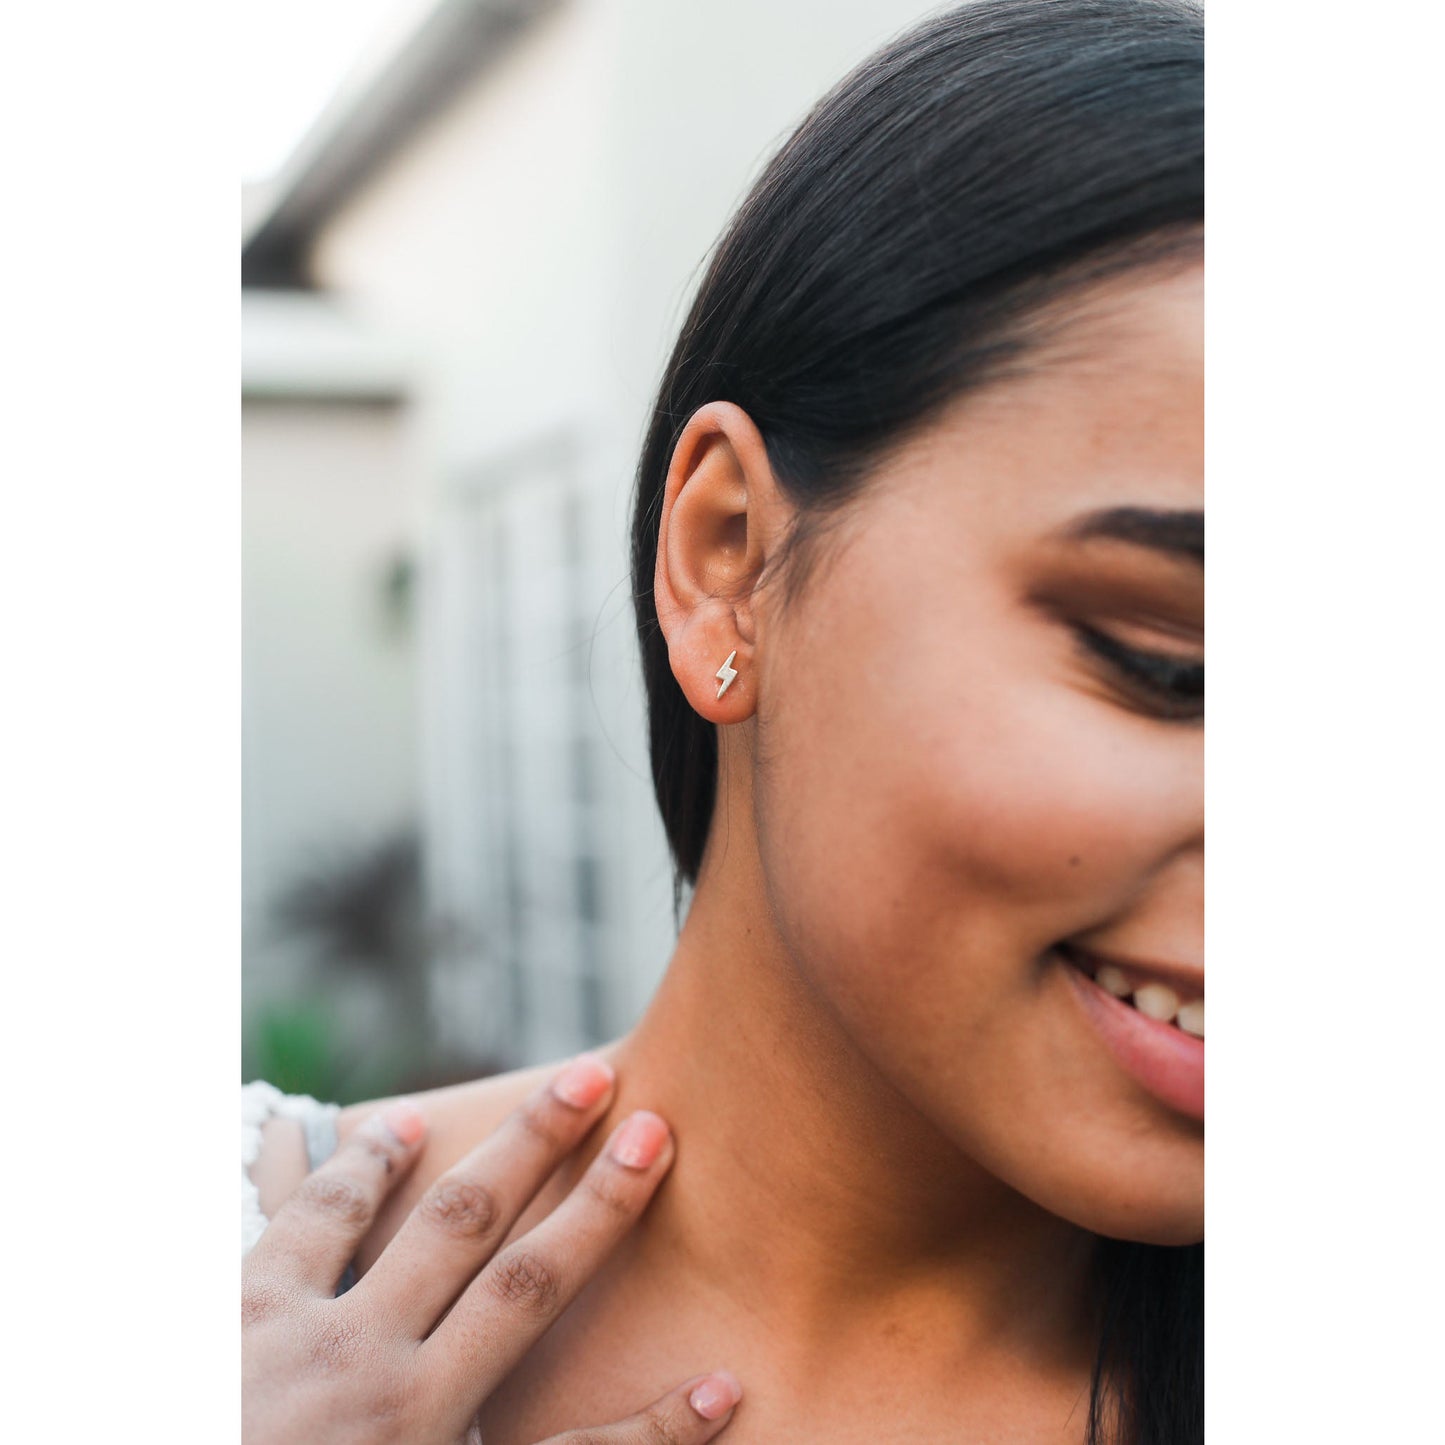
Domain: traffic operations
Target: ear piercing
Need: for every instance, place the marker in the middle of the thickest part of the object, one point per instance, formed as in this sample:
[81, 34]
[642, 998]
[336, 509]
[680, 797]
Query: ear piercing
[726, 672]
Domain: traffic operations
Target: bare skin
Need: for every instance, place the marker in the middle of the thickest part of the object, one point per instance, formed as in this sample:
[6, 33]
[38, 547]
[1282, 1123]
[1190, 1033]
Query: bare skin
[898, 1133]
[457, 1296]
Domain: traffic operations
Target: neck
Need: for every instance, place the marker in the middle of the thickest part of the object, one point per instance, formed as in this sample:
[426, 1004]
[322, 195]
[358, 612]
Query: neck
[806, 1187]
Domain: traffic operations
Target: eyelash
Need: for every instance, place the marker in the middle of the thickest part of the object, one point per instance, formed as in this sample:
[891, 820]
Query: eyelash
[1174, 686]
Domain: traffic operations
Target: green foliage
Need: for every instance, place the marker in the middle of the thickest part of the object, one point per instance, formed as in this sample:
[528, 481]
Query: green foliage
[298, 1047]
[294, 1047]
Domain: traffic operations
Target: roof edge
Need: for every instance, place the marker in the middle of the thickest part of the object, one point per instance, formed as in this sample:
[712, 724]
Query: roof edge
[408, 76]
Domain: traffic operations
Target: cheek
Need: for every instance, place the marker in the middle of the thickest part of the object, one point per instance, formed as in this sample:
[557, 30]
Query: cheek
[925, 840]
[962, 791]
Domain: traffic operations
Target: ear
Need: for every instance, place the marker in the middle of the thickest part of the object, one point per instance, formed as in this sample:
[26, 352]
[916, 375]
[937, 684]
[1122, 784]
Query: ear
[722, 519]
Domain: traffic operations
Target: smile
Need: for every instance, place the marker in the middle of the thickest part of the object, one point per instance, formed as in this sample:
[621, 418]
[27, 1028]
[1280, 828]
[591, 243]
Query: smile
[1153, 999]
[1154, 1028]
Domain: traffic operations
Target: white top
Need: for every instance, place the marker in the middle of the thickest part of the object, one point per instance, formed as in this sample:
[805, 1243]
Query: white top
[259, 1102]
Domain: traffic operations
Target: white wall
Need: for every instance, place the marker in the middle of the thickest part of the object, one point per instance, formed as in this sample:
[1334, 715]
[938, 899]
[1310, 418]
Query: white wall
[329, 729]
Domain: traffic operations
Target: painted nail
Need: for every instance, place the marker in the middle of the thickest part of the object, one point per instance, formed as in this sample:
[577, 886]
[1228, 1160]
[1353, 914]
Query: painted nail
[713, 1397]
[640, 1140]
[405, 1121]
[583, 1081]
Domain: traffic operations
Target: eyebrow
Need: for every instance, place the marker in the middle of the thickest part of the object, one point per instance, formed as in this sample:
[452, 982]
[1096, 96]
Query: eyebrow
[1180, 534]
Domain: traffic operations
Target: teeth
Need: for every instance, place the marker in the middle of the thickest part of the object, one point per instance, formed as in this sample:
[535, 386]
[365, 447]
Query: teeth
[1156, 1001]
[1113, 980]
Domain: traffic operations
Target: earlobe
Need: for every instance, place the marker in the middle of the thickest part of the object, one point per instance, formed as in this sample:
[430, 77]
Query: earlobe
[718, 523]
[712, 662]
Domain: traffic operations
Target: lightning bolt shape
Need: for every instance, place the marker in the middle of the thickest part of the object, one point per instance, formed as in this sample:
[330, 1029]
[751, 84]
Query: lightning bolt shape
[726, 672]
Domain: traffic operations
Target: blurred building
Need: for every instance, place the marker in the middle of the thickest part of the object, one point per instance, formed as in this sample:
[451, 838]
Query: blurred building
[459, 296]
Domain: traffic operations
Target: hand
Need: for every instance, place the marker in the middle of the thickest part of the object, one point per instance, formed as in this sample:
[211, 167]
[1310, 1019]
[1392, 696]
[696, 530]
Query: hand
[412, 1351]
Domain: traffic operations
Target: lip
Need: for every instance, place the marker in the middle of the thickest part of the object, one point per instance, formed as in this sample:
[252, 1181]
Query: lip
[1165, 1060]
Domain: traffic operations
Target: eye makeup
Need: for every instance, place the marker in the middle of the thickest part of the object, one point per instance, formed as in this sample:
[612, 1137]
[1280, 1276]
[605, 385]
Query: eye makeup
[1170, 686]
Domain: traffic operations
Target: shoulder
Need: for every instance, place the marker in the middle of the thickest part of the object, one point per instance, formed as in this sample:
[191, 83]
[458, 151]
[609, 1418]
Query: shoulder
[453, 1114]
[458, 1117]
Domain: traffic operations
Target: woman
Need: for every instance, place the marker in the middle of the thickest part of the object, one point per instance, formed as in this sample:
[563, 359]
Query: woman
[917, 556]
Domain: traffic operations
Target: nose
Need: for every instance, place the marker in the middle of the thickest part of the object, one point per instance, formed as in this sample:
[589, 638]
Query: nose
[1168, 914]
[1167, 920]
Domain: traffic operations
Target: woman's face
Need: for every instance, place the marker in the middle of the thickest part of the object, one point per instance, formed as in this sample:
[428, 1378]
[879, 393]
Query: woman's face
[982, 744]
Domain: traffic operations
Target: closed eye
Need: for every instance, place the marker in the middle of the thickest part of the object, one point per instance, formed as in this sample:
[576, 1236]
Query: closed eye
[1172, 687]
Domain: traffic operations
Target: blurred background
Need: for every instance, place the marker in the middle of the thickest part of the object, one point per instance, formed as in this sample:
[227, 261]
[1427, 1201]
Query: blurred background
[471, 229]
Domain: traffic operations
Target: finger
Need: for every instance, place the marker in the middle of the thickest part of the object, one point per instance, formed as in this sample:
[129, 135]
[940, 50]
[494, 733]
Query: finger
[315, 1232]
[461, 1220]
[697, 1411]
[521, 1292]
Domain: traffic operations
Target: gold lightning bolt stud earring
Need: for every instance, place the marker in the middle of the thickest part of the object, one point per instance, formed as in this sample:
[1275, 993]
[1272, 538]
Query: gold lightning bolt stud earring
[726, 672]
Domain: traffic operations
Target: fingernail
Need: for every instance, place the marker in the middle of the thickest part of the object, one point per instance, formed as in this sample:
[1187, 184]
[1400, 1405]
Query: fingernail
[713, 1397]
[583, 1081]
[640, 1140]
[405, 1121]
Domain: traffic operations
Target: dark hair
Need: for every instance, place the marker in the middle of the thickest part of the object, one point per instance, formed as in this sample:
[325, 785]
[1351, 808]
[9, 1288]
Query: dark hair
[899, 250]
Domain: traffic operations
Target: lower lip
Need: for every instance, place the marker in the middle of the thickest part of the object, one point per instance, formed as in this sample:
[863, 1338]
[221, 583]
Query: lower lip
[1168, 1062]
